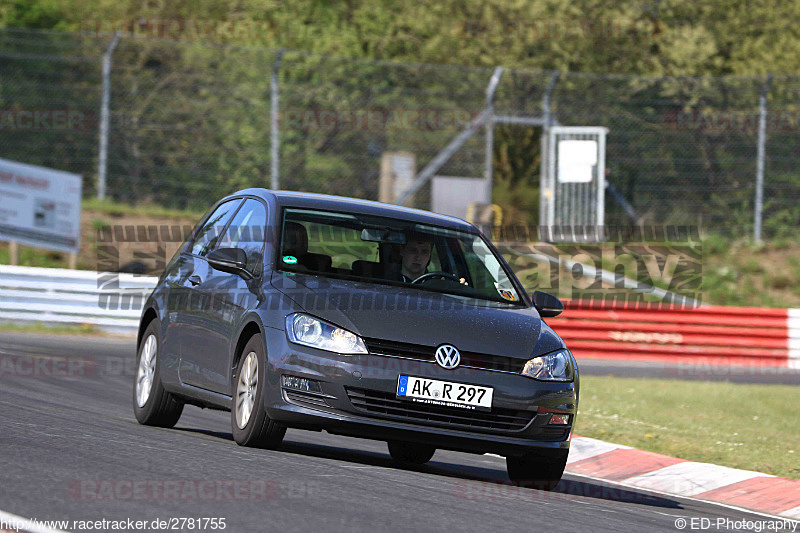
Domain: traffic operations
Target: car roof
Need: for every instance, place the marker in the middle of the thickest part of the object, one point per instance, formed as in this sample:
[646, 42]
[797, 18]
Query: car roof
[327, 202]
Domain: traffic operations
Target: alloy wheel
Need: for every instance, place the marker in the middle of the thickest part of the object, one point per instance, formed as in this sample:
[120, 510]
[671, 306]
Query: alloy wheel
[246, 390]
[147, 370]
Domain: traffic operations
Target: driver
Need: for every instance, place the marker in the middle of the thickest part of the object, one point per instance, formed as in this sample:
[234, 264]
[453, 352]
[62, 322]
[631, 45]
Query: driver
[415, 255]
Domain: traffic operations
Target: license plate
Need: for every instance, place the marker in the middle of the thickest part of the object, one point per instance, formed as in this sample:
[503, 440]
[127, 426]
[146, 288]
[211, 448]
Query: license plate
[444, 393]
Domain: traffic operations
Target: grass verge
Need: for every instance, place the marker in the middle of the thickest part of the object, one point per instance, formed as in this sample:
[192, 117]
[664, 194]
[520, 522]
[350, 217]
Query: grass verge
[39, 328]
[112, 208]
[36, 257]
[751, 427]
[730, 272]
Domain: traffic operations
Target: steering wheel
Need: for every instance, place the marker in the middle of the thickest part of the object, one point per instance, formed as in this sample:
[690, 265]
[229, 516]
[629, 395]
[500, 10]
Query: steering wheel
[430, 275]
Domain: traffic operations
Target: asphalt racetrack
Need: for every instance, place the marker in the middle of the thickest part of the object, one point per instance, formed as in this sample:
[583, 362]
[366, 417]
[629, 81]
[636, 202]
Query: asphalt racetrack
[71, 449]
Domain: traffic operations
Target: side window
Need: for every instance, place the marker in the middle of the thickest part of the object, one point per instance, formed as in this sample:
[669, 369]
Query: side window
[247, 231]
[207, 235]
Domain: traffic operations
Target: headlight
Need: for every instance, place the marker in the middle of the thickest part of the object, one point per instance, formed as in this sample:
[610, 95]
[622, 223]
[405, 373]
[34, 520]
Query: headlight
[556, 366]
[310, 331]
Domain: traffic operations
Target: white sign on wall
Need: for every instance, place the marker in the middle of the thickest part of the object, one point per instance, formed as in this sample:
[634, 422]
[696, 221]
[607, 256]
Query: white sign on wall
[40, 207]
[576, 159]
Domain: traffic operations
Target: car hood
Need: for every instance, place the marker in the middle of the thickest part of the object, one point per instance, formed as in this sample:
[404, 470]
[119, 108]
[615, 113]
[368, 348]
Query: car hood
[392, 313]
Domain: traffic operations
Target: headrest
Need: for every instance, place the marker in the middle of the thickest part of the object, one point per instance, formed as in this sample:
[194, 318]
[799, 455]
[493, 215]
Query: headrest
[295, 239]
[366, 268]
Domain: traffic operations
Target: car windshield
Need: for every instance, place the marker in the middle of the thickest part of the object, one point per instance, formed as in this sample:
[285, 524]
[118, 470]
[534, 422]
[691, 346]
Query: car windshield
[389, 251]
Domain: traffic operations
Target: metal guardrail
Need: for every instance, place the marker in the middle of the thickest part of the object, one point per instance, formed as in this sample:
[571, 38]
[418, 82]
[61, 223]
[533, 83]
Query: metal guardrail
[108, 300]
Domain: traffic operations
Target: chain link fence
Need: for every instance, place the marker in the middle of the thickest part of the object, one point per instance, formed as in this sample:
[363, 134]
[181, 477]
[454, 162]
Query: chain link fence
[192, 121]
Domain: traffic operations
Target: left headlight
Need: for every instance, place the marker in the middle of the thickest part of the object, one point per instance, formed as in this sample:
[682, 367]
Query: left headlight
[309, 331]
[556, 366]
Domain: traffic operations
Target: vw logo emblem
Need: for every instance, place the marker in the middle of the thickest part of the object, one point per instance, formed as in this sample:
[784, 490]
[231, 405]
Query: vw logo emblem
[447, 356]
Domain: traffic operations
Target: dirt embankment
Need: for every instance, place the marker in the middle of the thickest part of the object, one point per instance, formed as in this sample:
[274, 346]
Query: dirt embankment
[139, 243]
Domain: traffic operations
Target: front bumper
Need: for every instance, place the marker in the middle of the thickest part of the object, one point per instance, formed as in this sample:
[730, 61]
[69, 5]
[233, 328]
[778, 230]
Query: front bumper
[518, 424]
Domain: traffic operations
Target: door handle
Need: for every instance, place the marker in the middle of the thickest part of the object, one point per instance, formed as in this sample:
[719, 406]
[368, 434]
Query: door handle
[195, 279]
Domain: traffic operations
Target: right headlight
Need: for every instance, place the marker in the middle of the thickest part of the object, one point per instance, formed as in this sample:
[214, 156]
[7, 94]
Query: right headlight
[556, 366]
[310, 331]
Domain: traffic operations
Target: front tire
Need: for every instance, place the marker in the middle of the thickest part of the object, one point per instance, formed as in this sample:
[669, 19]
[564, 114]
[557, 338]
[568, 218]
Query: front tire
[152, 405]
[250, 424]
[410, 453]
[537, 471]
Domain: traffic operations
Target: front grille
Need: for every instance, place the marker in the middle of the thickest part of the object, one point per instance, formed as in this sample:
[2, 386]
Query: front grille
[389, 406]
[427, 353]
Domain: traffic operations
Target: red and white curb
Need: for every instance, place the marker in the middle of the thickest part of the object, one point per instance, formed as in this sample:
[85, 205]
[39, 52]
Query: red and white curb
[668, 475]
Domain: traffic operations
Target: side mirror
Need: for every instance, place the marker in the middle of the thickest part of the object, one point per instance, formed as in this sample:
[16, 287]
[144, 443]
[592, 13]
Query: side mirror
[547, 304]
[233, 260]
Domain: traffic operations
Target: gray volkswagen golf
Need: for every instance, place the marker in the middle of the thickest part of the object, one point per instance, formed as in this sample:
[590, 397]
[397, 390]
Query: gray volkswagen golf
[315, 312]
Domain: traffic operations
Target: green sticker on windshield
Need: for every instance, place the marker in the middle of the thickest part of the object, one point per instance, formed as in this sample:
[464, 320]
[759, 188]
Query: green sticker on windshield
[289, 259]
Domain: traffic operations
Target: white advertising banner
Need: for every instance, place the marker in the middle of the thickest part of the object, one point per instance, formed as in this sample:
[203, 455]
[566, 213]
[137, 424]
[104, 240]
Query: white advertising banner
[40, 207]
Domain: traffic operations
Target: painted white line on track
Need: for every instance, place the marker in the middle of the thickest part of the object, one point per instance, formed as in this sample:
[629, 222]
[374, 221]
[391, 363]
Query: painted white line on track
[24, 524]
[792, 513]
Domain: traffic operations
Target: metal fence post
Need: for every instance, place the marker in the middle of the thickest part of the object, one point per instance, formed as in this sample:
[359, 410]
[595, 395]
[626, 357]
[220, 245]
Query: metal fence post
[489, 164]
[545, 187]
[105, 103]
[274, 162]
[762, 141]
[452, 147]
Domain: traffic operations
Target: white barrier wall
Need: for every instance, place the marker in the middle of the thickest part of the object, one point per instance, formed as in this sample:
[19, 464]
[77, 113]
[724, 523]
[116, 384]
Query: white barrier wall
[55, 296]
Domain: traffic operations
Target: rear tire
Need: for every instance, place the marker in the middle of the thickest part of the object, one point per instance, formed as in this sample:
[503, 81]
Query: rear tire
[537, 471]
[410, 453]
[152, 405]
[250, 424]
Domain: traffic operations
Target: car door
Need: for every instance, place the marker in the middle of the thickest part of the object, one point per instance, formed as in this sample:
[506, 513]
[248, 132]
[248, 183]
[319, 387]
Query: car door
[227, 298]
[185, 275]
